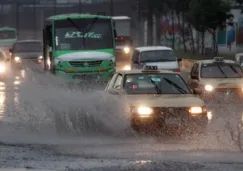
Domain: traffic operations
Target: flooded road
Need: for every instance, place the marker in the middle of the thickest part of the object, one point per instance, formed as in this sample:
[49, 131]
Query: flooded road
[41, 128]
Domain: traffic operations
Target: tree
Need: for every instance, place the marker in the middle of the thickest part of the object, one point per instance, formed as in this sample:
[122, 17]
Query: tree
[208, 15]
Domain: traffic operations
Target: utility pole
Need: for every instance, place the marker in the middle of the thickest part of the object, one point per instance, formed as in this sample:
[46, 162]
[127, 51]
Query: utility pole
[112, 7]
[17, 16]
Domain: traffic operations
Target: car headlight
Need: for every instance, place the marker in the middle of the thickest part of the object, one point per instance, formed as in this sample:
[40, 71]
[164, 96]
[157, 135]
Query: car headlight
[17, 59]
[127, 67]
[209, 88]
[144, 111]
[2, 68]
[197, 110]
[40, 57]
[126, 50]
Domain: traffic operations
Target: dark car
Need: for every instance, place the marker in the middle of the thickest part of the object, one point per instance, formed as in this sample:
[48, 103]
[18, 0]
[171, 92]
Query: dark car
[26, 50]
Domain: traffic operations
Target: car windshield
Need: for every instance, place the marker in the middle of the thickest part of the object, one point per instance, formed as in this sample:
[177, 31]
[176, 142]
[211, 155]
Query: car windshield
[123, 42]
[157, 56]
[7, 34]
[221, 70]
[155, 83]
[79, 34]
[27, 47]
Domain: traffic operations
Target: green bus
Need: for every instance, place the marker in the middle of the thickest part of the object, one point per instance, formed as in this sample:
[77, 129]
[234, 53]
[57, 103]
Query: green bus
[8, 36]
[80, 46]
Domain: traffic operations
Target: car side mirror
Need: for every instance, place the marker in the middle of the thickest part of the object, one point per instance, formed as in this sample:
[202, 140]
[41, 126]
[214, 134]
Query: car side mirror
[197, 91]
[179, 59]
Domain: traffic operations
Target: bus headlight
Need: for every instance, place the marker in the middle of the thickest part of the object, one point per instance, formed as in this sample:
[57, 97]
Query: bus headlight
[40, 57]
[2, 68]
[127, 67]
[209, 88]
[126, 50]
[17, 59]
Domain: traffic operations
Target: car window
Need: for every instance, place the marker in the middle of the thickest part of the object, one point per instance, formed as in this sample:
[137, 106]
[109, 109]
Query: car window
[135, 56]
[221, 71]
[27, 47]
[157, 56]
[155, 83]
[118, 82]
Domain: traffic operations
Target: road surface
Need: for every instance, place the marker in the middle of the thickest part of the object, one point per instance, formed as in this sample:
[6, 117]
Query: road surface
[38, 131]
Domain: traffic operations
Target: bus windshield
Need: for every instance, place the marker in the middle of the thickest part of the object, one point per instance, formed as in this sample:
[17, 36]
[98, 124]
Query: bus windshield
[7, 34]
[83, 34]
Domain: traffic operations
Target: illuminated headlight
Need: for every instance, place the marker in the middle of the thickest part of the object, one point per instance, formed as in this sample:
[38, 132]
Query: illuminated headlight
[17, 59]
[2, 68]
[209, 88]
[127, 68]
[126, 50]
[144, 111]
[197, 110]
[40, 57]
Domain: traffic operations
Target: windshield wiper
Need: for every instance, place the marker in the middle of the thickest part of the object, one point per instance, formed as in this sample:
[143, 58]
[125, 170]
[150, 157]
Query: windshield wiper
[77, 27]
[235, 70]
[88, 28]
[222, 71]
[176, 86]
[158, 90]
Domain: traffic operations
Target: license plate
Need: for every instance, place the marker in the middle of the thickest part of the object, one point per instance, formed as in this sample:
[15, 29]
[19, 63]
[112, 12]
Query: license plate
[80, 76]
[172, 121]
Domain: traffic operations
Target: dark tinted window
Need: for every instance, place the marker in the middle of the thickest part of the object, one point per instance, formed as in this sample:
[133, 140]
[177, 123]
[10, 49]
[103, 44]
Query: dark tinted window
[153, 83]
[77, 34]
[157, 56]
[221, 70]
[27, 47]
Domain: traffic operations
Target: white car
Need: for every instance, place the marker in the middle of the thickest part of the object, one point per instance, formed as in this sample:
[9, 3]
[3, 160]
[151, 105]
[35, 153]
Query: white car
[160, 56]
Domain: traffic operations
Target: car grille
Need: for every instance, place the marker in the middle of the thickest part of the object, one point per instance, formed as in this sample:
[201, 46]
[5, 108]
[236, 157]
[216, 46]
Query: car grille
[165, 112]
[85, 63]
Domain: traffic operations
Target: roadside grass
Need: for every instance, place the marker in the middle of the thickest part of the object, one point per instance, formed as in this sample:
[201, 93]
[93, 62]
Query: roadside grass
[190, 55]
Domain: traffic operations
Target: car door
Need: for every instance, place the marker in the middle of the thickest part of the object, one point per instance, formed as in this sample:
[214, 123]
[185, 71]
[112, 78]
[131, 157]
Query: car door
[193, 80]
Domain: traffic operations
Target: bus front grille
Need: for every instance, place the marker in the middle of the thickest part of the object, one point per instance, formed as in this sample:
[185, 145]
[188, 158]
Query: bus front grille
[85, 63]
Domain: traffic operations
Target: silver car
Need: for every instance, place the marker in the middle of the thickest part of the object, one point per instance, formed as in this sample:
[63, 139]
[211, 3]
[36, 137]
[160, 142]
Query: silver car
[26, 50]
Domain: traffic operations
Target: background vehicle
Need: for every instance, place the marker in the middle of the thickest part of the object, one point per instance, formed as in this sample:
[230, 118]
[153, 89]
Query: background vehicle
[80, 46]
[239, 59]
[160, 56]
[26, 50]
[124, 43]
[218, 79]
[8, 36]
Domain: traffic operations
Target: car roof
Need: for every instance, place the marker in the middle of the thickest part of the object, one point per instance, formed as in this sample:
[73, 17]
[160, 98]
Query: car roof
[141, 71]
[25, 41]
[210, 61]
[149, 48]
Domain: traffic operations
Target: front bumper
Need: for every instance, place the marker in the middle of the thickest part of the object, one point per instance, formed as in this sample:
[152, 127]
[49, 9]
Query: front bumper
[164, 118]
[87, 76]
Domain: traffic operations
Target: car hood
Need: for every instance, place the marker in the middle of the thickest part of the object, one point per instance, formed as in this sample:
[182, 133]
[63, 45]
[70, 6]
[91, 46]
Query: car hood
[165, 100]
[28, 54]
[223, 83]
